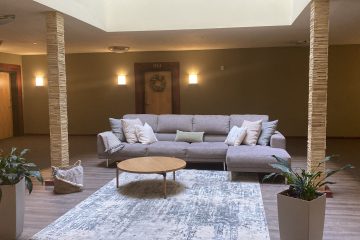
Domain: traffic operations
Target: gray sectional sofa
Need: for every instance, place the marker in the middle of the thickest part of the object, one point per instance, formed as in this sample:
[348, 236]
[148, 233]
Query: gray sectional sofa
[241, 158]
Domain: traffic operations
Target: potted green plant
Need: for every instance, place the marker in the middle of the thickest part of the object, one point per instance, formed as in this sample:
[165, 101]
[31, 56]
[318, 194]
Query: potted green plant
[301, 208]
[15, 176]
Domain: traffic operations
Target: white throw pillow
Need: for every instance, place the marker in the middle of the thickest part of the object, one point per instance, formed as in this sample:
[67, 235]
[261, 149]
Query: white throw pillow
[145, 134]
[252, 132]
[129, 129]
[235, 136]
[241, 134]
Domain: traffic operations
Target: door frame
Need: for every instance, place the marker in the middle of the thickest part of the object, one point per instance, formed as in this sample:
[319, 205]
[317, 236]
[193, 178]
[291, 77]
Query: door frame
[141, 68]
[16, 96]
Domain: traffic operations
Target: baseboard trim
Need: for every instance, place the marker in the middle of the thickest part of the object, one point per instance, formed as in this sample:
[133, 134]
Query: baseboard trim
[288, 137]
[328, 137]
[47, 134]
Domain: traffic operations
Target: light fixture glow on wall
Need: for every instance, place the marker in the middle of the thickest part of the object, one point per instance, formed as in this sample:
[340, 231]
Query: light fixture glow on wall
[121, 80]
[39, 81]
[193, 78]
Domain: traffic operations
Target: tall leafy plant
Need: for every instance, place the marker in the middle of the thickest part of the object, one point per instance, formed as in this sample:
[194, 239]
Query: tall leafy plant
[302, 184]
[13, 168]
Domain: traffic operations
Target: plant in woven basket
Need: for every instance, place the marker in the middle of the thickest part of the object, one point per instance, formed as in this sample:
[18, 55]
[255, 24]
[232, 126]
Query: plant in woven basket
[303, 184]
[14, 167]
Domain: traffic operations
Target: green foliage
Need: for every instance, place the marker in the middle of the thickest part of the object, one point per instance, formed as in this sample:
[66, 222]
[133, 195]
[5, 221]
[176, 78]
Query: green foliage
[13, 168]
[303, 184]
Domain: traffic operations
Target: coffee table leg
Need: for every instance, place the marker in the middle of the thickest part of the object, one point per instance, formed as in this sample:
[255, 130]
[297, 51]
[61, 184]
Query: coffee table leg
[174, 175]
[117, 177]
[164, 174]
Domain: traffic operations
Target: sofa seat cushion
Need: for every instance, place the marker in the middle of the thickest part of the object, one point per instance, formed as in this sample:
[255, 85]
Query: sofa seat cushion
[168, 148]
[253, 158]
[165, 136]
[207, 150]
[131, 150]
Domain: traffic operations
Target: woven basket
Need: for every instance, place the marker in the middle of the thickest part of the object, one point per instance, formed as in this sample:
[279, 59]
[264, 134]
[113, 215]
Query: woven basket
[64, 178]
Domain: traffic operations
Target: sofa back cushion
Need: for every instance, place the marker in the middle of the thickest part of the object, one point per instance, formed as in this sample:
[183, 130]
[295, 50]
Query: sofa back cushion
[214, 138]
[165, 136]
[237, 120]
[170, 123]
[150, 119]
[216, 127]
[211, 124]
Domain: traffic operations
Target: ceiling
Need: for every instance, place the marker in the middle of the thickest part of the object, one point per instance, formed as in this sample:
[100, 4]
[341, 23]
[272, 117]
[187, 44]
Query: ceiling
[160, 15]
[27, 34]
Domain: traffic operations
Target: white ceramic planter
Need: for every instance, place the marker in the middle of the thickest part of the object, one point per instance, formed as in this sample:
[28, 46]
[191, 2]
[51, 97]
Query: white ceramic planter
[300, 219]
[12, 210]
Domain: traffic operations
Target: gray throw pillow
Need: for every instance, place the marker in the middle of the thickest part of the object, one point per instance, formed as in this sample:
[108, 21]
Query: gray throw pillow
[116, 128]
[267, 130]
[112, 143]
[189, 136]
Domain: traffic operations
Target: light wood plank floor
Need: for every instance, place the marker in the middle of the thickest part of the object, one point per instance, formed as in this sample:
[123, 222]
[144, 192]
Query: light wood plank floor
[342, 211]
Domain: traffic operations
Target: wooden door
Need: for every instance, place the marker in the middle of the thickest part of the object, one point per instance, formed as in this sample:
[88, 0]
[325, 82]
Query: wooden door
[158, 94]
[157, 88]
[6, 114]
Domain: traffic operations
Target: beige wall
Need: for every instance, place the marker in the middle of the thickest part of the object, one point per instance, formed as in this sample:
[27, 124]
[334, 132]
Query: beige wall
[10, 58]
[270, 81]
[36, 111]
[344, 91]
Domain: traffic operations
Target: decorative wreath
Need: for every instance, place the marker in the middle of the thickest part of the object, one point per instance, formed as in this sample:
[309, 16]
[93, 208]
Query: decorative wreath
[158, 83]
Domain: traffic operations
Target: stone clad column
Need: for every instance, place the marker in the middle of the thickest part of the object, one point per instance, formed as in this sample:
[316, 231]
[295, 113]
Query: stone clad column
[59, 144]
[318, 77]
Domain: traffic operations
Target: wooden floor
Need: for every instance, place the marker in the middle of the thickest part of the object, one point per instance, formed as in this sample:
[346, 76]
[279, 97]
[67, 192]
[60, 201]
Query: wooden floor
[342, 211]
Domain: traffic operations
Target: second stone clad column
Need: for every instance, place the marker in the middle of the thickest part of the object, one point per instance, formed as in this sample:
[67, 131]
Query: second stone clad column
[58, 119]
[318, 78]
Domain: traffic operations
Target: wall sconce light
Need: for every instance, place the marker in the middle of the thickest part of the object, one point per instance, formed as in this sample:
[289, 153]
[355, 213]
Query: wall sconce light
[193, 79]
[39, 81]
[121, 80]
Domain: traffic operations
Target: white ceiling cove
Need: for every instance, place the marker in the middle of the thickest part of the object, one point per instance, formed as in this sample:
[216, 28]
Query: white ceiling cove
[163, 25]
[159, 15]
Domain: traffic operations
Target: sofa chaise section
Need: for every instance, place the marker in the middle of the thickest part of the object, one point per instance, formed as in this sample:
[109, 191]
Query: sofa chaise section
[257, 158]
[253, 158]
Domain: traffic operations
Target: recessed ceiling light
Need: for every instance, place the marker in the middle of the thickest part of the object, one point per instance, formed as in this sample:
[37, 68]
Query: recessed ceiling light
[34, 43]
[118, 49]
[4, 19]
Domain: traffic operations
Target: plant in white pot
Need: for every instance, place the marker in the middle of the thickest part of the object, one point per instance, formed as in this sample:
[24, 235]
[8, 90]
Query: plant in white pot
[15, 176]
[301, 208]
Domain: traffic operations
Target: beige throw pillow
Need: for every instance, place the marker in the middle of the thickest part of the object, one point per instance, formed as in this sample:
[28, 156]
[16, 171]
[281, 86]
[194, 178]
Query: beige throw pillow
[129, 129]
[145, 134]
[235, 136]
[252, 132]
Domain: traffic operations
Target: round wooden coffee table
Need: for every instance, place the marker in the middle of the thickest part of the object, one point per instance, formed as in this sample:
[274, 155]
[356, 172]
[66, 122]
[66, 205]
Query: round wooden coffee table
[150, 165]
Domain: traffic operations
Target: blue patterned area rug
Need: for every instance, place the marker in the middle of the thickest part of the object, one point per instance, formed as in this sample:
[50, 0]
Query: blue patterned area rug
[201, 205]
